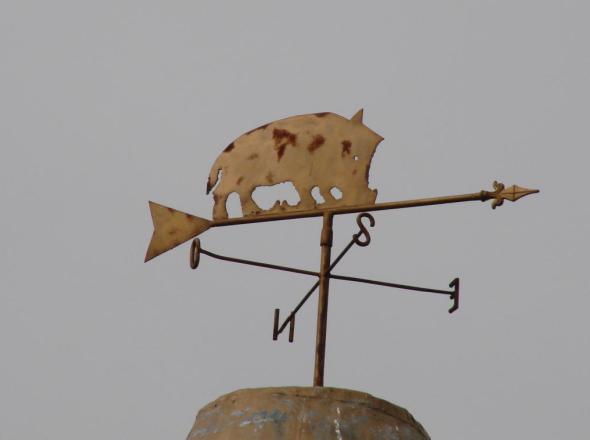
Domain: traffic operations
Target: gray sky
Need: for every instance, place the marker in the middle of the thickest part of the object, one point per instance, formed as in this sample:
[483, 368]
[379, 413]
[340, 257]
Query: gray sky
[105, 105]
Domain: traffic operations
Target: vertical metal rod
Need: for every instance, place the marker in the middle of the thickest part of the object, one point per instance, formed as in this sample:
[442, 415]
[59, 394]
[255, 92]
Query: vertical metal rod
[322, 322]
[275, 328]
[292, 329]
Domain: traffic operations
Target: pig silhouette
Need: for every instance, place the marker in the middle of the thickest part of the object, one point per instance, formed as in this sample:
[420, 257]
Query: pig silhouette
[320, 149]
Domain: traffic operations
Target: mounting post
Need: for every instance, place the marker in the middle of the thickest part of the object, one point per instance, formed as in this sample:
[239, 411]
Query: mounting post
[322, 322]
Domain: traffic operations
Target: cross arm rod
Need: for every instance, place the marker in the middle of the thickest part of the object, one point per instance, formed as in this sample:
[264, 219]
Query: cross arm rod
[258, 263]
[387, 284]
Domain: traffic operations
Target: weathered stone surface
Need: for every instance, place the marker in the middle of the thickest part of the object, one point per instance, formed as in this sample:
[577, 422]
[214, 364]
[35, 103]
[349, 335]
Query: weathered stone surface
[304, 413]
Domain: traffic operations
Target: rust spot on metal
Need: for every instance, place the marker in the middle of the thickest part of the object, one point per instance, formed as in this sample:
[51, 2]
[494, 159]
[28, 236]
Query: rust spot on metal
[321, 114]
[280, 135]
[239, 180]
[262, 127]
[283, 138]
[317, 142]
[253, 156]
[229, 148]
[270, 178]
[346, 148]
[281, 151]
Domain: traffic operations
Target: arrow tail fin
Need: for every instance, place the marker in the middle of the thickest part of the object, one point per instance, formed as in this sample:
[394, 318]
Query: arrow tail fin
[172, 228]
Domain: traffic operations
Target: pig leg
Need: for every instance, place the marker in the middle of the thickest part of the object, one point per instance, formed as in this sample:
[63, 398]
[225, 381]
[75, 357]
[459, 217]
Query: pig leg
[249, 206]
[369, 196]
[220, 195]
[327, 195]
[305, 198]
[219, 208]
[363, 196]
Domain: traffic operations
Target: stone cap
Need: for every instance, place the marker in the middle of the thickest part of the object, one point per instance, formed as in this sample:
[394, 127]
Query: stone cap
[304, 413]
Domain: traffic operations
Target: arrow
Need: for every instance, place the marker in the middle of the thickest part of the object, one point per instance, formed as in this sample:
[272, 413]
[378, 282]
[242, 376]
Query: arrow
[172, 227]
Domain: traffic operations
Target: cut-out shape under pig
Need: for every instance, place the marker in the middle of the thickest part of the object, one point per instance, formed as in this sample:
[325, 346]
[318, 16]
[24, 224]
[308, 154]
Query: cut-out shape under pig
[321, 149]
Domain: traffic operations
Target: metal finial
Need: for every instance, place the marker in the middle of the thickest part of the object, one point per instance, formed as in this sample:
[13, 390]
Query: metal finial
[512, 193]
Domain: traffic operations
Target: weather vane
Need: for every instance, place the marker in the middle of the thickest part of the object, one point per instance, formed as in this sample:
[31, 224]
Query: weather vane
[320, 150]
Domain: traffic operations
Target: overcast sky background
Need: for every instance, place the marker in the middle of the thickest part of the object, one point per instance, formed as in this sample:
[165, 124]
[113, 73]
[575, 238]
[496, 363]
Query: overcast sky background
[106, 105]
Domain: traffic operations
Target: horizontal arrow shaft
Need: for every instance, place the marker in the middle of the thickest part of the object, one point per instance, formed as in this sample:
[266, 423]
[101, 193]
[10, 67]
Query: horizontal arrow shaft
[478, 196]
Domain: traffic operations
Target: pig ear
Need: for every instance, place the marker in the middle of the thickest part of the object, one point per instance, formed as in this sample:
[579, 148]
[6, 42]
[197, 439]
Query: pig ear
[358, 117]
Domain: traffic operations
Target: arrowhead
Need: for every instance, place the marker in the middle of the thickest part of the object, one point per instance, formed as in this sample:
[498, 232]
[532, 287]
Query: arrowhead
[512, 193]
[172, 228]
[516, 192]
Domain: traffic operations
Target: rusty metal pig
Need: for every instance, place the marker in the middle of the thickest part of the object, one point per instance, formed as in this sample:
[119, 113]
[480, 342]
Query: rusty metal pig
[320, 149]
